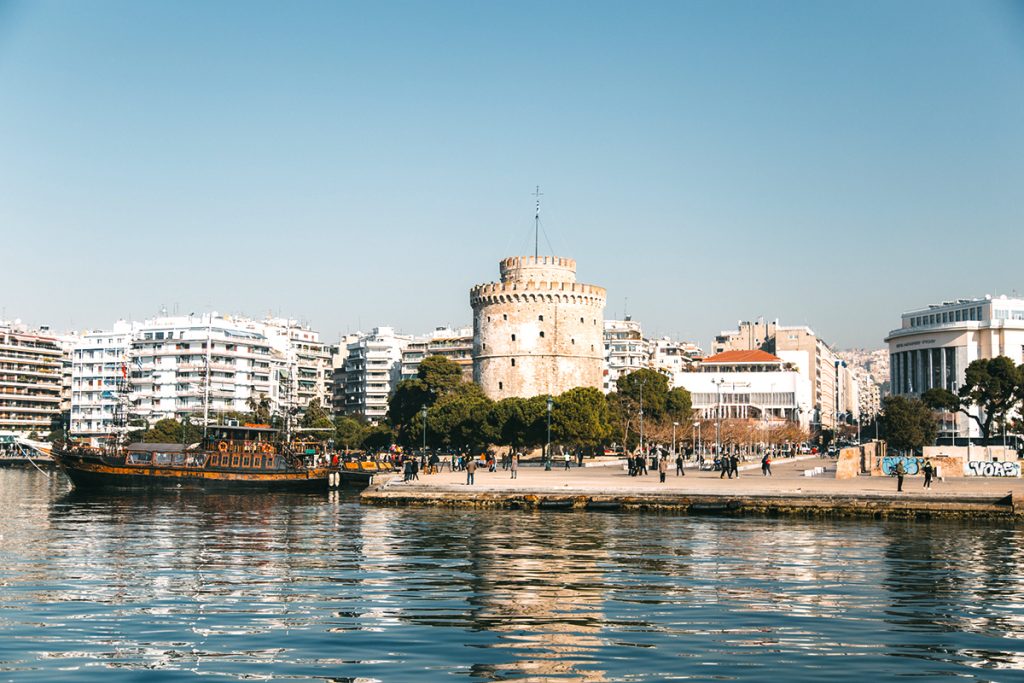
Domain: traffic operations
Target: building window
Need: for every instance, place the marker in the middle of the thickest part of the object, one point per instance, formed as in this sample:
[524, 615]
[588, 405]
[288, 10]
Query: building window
[540, 318]
[513, 337]
[581, 319]
[500, 386]
[574, 342]
[504, 316]
[542, 333]
[513, 362]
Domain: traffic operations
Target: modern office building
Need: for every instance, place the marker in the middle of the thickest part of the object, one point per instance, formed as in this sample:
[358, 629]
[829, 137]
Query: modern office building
[933, 346]
[31, 371]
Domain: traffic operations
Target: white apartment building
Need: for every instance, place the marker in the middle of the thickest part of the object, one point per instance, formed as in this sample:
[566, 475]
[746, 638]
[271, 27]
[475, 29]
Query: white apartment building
[933, 347]
[373, 368]
[194, 365]
[31, 369]
[454, 344]
[306, 361]
[625, 351]
[672, 357]
[99, 389]
[748, 385]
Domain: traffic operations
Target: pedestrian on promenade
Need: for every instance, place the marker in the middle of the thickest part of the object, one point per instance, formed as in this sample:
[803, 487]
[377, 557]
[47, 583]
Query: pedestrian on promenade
[513, 465]
[662, 469]
[567, 457]
[641, 462]
[929, 471]
[766, 465]
[679, 465]
[579, 457]
[725, 466]
[901, 472]
[470, 470]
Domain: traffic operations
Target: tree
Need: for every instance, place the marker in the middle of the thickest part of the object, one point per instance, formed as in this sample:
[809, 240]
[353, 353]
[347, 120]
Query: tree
[441, 375]
[410, 396]
[652, 386]
[459, 418]
[378, 437]
[994, 385]
[909, 423]
[316, 418]
[580, 417]
[260, 407]
[679, 405]
[506, 421]
[349, 432]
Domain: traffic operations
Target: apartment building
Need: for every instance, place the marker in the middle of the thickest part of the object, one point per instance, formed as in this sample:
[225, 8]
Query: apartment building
[625, 351]
[31, 368]
[373, 369]
[454, 344]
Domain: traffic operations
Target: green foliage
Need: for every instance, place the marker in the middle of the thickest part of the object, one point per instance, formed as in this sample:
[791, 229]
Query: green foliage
[316, 417]
[440, 375]
[172, 431]
[349, 432]
[378, 437]
[679, 405]
[260, 407]
[580, 417]
[652, 386]
[459, 419]
[409, 398]
[909, 423]
[996, 386]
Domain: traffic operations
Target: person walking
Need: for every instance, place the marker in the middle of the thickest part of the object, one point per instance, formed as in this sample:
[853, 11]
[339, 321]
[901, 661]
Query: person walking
[567, 457]
[513, 465]
[901, 472]
[662, 469]
[641, 462]
[470, 470]
[679, 465]
[929, 471]
[766, 464]
[734, 463]
[725, 465]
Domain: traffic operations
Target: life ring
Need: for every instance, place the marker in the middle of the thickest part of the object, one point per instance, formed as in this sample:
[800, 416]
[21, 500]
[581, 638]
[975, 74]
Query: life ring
[267, 448]
[222, 446]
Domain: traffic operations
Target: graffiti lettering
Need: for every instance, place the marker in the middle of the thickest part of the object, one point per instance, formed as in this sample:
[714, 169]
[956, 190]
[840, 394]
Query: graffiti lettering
[910, 465]
[982, 468]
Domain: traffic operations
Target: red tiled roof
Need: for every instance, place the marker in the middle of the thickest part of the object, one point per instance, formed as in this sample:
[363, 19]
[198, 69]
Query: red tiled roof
[756, 356]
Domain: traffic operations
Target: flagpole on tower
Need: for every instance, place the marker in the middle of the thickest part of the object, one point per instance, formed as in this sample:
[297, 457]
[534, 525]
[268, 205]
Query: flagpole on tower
[536, 223]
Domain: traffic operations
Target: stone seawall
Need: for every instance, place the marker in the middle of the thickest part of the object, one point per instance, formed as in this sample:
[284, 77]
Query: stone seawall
[1005, 506]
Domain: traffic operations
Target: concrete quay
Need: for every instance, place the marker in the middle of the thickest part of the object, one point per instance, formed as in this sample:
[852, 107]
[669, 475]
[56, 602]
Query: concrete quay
[787, 492]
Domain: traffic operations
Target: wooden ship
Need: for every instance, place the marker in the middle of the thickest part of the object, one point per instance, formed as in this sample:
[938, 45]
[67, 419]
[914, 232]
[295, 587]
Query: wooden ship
[229, 457]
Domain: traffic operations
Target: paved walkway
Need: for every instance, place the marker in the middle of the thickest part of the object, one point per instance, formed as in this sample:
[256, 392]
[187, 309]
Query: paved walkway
[787, 479]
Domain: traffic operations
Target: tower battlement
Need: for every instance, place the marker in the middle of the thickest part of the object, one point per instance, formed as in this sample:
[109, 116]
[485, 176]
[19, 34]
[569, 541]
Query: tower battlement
[537, 331]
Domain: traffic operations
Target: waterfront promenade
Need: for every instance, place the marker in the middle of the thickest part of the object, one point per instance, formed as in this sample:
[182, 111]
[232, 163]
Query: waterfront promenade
[788, 490]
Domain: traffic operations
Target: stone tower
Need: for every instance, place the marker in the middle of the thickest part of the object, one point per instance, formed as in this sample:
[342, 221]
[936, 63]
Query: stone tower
[538, 331]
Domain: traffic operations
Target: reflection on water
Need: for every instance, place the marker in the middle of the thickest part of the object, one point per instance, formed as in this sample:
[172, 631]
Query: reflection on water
[317, 587]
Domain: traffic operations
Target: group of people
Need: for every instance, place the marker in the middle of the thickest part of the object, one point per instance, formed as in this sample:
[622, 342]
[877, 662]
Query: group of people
[658, 457]
[927, 469]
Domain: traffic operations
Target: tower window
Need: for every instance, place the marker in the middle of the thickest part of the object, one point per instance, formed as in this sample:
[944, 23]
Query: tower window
[513, 362]
[542, 333]
[504, 316]
[540, 318]
[574, 342]
[581, 319]
[501, 385]
[513, 337]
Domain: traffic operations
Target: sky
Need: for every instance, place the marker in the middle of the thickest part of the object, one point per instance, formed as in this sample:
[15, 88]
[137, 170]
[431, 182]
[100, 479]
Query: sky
[359, 164]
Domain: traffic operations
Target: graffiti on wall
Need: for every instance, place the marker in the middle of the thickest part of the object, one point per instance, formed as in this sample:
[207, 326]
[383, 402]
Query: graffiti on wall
[984, 468]
[910, 465]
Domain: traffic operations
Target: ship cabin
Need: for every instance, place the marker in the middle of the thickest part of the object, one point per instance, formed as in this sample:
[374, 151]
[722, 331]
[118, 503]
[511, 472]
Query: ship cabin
[249, 446]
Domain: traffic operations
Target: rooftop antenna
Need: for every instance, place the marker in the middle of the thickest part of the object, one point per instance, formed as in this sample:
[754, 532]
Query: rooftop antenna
[536, 222]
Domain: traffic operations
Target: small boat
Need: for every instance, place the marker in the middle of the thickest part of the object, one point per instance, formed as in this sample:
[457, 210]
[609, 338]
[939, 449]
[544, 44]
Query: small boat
[228, 458]
[17, 451]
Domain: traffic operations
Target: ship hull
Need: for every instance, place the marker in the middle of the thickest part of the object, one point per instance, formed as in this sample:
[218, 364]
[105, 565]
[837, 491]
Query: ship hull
[90, 473]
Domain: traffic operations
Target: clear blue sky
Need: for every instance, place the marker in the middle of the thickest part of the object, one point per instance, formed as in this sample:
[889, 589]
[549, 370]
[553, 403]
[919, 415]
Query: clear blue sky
[351, 165]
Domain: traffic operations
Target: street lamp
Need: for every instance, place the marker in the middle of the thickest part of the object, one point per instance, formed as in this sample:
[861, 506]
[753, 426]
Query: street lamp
[547, 449]
[642, 382]
[698, 447]
[423, 412]
[718, 415]
[674, 425]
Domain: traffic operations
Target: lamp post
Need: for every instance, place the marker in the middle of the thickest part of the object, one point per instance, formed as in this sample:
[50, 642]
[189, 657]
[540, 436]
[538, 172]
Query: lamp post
[718, 415]
[423, 412]
[674, 425]
[698, 447]
[642, 382]
[547, 449]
